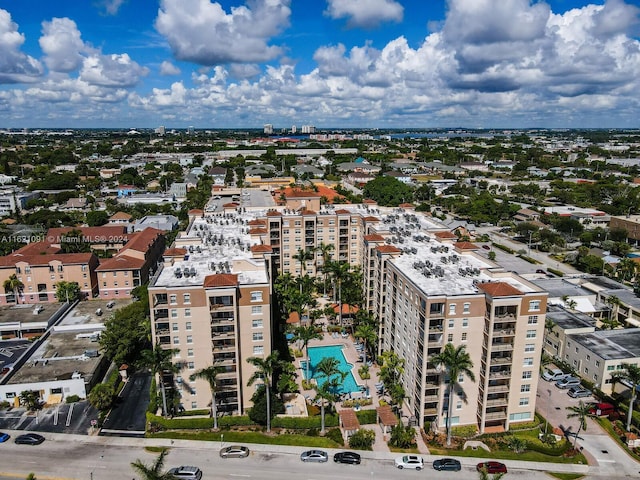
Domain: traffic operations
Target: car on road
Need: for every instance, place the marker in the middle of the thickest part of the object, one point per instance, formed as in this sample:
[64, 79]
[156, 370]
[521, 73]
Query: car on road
[541, 271]
[234, 451]
[447, 464]
[579, 392]
[29, 439]
[351, 458]
[318, 456]
[486, 247]
[4, 437]
[492, 467]
[186, 472]
[410, 461]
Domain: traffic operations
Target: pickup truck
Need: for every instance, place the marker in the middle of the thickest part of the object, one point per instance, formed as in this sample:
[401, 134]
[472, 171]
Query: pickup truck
[554, 375]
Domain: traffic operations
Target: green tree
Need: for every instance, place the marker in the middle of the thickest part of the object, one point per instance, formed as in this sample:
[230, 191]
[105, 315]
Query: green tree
[402, 436]
[631, 374]
[325, 249]
[101, 396]
[388, 191]
[368, 334]
[210, 374]
[127, 333]
[159, 362]
[328, 370]
[391, 369]
[305, 334]
[363, 439]
[303, 256]
[155, 470]
[73, 242]
[96, 218]
[13, 284]
[581, 412]
[456, 361]
[67, 291]
[265, 368]
[31, 400]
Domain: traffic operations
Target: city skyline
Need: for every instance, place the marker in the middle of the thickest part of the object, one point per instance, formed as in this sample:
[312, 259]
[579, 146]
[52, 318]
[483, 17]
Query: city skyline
[328, 63]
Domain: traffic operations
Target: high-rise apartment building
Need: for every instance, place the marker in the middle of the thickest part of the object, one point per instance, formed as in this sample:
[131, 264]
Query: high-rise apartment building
[268, 129]
[425, 290]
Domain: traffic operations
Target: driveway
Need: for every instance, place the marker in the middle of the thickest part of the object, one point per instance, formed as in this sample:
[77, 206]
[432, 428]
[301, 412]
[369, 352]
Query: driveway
[128, 416]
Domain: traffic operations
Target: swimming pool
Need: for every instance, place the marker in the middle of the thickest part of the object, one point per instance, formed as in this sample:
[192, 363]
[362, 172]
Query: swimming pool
[316, 354]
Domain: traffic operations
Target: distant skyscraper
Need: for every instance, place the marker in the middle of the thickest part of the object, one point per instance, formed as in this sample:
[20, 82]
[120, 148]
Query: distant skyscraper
[268, 129]
[160, 130]
[191, 130]
[294, 129]
[308, 129]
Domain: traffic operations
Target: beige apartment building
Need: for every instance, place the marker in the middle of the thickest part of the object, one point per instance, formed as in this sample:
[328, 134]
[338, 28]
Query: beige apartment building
[425, 290]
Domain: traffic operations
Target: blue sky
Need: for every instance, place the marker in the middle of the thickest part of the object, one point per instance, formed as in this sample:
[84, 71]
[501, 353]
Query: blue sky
[328, 63]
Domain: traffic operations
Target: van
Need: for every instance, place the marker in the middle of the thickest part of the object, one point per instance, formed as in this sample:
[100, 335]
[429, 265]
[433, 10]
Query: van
[554, 374]
[568, 382]
[602, 409]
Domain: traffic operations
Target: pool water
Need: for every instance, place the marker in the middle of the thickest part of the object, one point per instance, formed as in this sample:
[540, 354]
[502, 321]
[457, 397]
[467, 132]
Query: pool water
[316, 354]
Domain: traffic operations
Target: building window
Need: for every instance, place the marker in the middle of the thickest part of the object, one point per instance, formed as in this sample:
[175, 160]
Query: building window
[188, 325]
[529, 347]
[189, 338]
[514, 417]
[532, 320]
[597, 363]
[526, 374]
[525, 388]
[191, 366]
[527, 361]
[256, 296]
[174, 313]
[190, 352]
[524, 401]
[258, 349]
[256, 310]
[258, 337]
[257, 323]
[174, 327]
[586, 370]
[464, 336]
[459, 405]
[465, 322]
[452, 309]
[176, 340]
[531, 334]
[588, 357]
[451, 323]
[186, 297]
[187, 312]
[610, 368]
[450, 338]
[534, 305]
[466, 308]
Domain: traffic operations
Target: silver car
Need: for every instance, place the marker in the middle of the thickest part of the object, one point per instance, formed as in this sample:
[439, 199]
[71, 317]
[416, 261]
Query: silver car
[234, 451]
[314, 456]
[186, 472]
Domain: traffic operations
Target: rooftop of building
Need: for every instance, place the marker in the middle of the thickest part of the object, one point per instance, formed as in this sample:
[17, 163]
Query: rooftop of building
[568, 320]
[27, 313]
[611, 344]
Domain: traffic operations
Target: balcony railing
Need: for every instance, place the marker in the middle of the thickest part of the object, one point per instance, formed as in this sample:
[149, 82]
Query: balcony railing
[501, 360]
[504, 333]
[498, 389]
[495, 415]
[502, 347]
[497, 402]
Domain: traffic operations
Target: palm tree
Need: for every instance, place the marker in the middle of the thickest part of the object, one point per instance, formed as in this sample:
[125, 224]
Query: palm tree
[328, 368]
[13, 284]
[456, 361]
[159, 362]
[368, 334]
[305, 334]
[303, 256]
[325, 252]
[615, 303]
[581, 412]
[484, 475]
[153, 471]
[339, 271]
[631, 374]
[210, 374]
[264, 371]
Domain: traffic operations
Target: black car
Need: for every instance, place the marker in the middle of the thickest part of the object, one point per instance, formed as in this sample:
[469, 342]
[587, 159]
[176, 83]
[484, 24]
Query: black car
[347, 457]
[447, 464]
[30, 439]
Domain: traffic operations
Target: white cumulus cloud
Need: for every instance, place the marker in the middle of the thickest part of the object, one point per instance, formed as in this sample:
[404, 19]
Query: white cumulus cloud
[365, 13]
[15, 66]
[200, 31]
[62, 45]
[116, 70]
[168, 68]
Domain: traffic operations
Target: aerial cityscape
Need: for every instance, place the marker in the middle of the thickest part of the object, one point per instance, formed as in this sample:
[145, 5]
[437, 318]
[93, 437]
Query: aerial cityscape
[239, 238]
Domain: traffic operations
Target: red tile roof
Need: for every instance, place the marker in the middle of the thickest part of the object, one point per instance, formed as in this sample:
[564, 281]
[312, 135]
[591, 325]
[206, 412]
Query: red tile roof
[257, 231]
[175, 252]
[298, 193]
[120, 216]
[346, 309]
[261, 249]
[368, 201]
[465, 246]
[445, 235]
[349, 420]
[257, 222]
[371, 219]
[407, 205]
[388, 249]
[195, 211]
[38, 260]
[341, 211]
[386, 416]
[120, 262]
[230, 205]
[294, 317]
[103, 234]
[221, 280]
[141, 241]
[307, 212]
[498, 289]
[374, 238]
[37, 248]
[274, 213]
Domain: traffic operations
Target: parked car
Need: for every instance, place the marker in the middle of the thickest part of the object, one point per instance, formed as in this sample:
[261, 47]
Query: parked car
[187, 472]
[447, 464]
[29, 439]
[4, 437]
[568, 382]
[410, 461]
[602, 409]
[314, 456]
[579, 392]
[486, 247]
[234, 451]
[554, 375]
[492, 467]
[541, 271]
[352, 458]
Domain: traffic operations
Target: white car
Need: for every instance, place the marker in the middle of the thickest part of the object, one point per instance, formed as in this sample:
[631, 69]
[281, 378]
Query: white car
[410, 461]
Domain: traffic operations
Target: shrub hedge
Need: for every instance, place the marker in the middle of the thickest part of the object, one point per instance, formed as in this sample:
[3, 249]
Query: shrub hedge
[367, 417]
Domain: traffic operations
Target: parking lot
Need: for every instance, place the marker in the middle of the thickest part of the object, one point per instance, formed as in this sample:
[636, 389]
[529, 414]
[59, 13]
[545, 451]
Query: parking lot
[63, 418]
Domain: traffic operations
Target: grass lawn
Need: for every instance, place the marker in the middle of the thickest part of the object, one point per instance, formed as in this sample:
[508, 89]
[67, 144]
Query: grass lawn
[250, 437]
[566, 476]
[606, 424]
[508, 455]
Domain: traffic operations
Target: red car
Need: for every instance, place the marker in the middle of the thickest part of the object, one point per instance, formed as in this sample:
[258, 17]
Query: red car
[492, 467]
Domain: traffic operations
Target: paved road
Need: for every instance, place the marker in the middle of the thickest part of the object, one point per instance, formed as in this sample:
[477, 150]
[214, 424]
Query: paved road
[128, 415]
[64, 418]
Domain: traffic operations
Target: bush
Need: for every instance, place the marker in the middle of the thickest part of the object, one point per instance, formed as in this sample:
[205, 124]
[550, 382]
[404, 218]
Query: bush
[73, 399]
[504, 248]
[336, 435]
[304, 423]
[4, 405]
[363, 439]
[153, 398]
[465, 431]
[313, 432]
[557, 273]
[367, 417]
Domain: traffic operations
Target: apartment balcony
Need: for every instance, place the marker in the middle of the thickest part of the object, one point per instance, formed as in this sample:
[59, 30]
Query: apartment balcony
[162, 332]
[501, 347]
[435, 327]
[221, 307]
[501, 360]
[225, 362]
[160, 300]
[498, 388]
[431, 398]
[510, 332]
[223, 321]
[500, 415]
[165, 340]
[430, 411]
[500, 374]
[497, 402]
[223, 348]
[435, 340]
[227, 375]
[223, 335]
